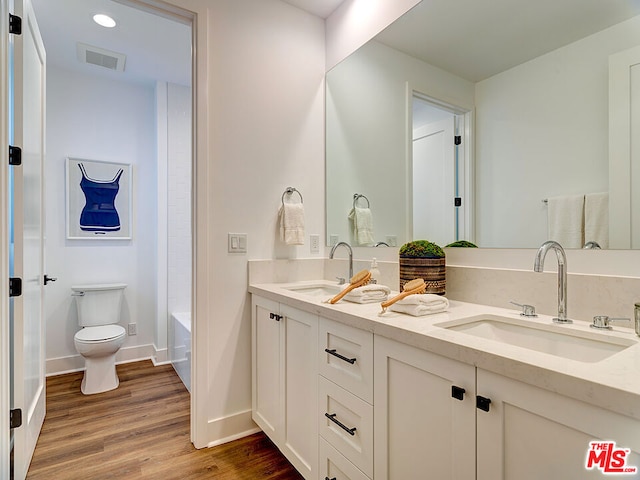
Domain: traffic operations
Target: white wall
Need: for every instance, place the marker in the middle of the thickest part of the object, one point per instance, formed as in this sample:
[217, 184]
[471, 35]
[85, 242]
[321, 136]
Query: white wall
[364, 156]
[97, 119]
[542, 131]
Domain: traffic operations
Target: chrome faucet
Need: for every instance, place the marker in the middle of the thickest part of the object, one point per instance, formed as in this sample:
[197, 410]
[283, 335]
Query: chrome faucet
[562, 276]
[348, 247]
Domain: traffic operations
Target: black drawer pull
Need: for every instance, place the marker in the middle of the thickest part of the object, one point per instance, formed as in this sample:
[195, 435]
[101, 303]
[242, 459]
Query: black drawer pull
[275, 316]
[457, 392]
[350, 431]
[483, 403]
[327, 478]
[341, 357]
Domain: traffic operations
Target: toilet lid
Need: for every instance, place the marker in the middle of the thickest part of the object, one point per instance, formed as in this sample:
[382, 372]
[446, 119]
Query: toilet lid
[100, 333]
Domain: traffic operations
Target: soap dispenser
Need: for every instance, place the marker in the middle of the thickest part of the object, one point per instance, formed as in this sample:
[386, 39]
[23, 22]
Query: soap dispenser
[375, 273]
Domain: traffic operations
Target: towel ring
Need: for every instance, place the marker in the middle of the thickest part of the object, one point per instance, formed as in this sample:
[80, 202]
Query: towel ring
[358, 196]
[289, 191]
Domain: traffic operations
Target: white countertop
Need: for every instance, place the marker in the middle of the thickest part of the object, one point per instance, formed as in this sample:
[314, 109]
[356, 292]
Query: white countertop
[612, 383]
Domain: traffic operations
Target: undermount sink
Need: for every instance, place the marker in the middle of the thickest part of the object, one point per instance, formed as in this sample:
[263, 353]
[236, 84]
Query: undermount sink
[316, 289]
[561, 341]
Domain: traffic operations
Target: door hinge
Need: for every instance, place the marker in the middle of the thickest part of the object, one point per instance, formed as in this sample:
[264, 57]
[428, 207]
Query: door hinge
[457, 140]
[15, 418]
[15, 286]
[457, 202]
[15, 155]
[15, 24]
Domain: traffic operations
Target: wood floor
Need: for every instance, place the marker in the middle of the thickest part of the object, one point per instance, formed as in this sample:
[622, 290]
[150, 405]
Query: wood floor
[139, 431]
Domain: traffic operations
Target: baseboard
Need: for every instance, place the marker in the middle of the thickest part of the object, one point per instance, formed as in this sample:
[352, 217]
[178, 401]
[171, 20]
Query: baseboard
[227, 429]
[75, 363]
[160, 357]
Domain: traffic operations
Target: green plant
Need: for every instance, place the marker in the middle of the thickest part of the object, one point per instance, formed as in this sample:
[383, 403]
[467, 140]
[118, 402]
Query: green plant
[461, 243]
[421, 248]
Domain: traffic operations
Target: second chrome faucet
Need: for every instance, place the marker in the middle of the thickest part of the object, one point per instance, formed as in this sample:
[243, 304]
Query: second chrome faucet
[562, 276]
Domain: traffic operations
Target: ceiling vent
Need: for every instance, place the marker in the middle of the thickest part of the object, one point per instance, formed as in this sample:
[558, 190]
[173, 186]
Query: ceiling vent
[101, 57]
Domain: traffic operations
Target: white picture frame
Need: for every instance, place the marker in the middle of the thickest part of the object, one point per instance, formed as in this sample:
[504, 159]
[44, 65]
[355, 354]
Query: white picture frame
[98, 200]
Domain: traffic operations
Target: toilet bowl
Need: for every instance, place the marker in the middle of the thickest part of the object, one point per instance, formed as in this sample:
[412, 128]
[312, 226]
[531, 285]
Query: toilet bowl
[100, 337]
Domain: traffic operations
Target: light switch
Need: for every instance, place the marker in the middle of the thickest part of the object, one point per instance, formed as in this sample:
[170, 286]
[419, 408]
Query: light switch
[237, 243]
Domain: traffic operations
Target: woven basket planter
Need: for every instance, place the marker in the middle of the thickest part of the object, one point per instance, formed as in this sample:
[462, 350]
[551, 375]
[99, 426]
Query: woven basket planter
[431, 270]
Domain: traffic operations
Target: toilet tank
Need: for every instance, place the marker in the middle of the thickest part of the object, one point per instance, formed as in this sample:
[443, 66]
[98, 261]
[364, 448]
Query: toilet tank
[98, 304]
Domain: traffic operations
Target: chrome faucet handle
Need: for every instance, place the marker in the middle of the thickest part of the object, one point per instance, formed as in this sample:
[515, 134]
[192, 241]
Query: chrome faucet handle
[602, 322]
[527, 310]
[341, 280]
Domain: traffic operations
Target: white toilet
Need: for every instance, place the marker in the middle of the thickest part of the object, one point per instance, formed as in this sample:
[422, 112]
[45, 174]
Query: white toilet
[101, 337]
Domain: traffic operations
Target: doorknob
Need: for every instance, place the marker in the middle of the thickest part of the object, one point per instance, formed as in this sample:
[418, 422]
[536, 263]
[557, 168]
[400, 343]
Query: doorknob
[48, 279]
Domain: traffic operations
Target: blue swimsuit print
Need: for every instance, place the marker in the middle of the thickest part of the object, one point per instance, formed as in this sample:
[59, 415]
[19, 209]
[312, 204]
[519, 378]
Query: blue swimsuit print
[99, 214]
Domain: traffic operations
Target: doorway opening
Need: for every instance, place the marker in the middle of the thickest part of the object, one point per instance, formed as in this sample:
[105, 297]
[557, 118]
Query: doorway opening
[441, 171]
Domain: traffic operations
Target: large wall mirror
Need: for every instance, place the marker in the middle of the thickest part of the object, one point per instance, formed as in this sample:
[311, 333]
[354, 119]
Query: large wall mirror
[538, 96]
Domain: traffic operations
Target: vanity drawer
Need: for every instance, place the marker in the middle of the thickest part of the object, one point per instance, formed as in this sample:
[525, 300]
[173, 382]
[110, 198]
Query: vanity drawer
[346, 357]
[346, 423]
[333, 465]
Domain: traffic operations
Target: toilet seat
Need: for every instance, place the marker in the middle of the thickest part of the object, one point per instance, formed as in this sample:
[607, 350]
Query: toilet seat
[100, 334]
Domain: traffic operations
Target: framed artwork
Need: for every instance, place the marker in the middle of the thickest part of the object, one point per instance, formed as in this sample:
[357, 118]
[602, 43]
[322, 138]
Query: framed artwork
[98, 200]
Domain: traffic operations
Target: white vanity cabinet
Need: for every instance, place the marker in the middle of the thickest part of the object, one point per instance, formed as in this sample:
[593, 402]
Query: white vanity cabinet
[530, 433]
[284, 380]
[424, 414]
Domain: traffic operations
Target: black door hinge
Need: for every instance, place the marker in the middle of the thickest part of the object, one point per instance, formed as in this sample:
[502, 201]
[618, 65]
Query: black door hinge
[15, 155]
[457, 140]
[457, 202]
[15, 286]
[15, 418]
[15, 24]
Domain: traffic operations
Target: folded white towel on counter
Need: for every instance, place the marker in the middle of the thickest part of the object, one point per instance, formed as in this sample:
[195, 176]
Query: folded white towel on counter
[596, 219]
[566, 220]
[420, 304]
[368, 294]
[362, 225]
[292, 223]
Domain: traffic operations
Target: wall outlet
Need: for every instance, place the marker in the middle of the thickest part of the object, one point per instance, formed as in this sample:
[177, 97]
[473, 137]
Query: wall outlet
[392, 240]
[314, 243]
[333, 239]
[132, 329]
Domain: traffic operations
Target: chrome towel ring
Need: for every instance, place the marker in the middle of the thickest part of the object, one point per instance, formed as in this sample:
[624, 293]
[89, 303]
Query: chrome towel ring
[289, 191]
[358, 196]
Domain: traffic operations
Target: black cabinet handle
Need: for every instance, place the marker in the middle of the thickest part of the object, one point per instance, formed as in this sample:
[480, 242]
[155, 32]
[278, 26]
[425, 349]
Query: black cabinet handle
[483, 403]
[275, 316]
[341, 357]
[457, 392]
[327, 478]
[332, 417]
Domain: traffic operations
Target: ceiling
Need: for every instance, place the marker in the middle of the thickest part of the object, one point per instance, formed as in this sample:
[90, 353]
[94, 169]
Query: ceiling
[320, 8]
[157, 48]
[476, 40]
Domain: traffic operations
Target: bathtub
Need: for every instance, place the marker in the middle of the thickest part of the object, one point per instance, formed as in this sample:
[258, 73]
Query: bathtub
[180, 346]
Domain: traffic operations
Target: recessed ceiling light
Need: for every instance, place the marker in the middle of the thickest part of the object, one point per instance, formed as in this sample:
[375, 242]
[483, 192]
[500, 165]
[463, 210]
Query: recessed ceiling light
[104, 20]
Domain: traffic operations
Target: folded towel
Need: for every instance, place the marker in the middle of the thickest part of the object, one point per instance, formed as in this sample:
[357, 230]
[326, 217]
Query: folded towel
[596, 219]
[362, 225]
[420, 304]
[292, 223]
[566, 220]
[368, 294]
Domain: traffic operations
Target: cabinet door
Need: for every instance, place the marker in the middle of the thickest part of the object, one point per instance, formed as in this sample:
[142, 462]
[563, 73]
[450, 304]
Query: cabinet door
[300, 390]
[266, 372]
[422, 431]
[530, 433]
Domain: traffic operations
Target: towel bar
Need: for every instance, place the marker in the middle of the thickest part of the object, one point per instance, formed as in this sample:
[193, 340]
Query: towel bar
[289, 191]
[358, 196]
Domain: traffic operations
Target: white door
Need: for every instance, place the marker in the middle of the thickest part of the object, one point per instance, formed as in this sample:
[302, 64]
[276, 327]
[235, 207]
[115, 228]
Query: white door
[434, 182]
[29, 336]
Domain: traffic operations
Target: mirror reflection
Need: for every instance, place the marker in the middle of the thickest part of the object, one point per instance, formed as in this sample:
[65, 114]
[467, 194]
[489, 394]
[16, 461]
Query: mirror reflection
[504, 123]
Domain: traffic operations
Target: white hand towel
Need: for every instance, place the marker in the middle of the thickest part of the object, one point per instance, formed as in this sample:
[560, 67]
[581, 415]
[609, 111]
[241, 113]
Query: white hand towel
[368, 294]
[566, 220]
[420, 304]
[292, 223]
[362, 225]
[596, 219]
